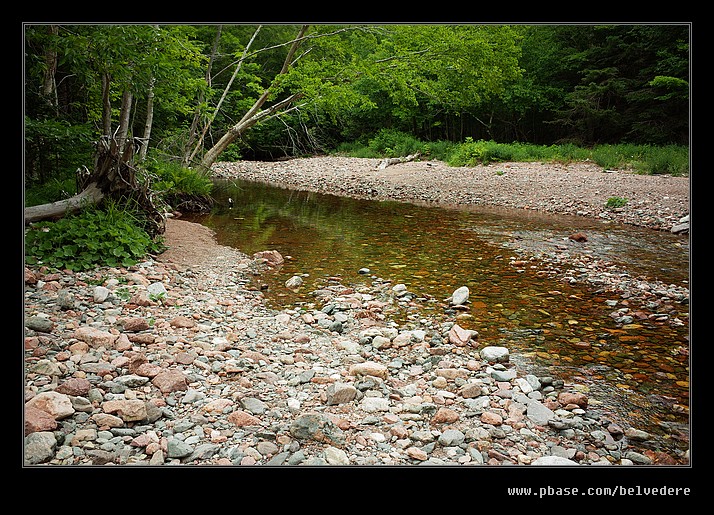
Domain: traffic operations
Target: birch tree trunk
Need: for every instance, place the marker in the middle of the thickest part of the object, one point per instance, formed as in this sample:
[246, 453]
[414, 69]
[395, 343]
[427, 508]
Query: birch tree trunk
[188, 155]
[149, 122]
[123, 129]
[106, 105]
[254, 114]
[223, 96]
[49, 83]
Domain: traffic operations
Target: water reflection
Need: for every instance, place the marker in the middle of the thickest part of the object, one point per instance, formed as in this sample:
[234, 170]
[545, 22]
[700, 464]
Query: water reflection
[550, 326]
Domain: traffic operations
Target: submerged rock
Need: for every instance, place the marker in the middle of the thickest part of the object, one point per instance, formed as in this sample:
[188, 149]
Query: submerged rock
[294, 282]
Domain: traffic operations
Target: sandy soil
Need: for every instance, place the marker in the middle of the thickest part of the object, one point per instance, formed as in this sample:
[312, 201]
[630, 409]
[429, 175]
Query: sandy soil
[192, 245]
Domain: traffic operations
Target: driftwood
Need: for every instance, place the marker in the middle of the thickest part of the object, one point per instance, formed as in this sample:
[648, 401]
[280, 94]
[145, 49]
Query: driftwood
[394, 160]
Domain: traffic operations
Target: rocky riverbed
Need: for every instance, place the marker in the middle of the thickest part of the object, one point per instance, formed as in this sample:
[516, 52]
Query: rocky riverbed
[657, 202]
[164, 364]
[178, 361]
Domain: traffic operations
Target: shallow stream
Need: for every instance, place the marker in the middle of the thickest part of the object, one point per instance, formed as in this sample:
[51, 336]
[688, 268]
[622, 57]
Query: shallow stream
[639, 371]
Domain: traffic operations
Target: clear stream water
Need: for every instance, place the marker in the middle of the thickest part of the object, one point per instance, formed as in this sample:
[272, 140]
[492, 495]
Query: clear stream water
[550, 327]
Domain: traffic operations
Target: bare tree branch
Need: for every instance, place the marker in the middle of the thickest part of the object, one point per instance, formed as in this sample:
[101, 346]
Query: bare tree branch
[223, 96]
[254, 114]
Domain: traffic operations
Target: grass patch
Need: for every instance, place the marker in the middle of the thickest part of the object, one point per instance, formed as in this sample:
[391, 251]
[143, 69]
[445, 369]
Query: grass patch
[644, 159]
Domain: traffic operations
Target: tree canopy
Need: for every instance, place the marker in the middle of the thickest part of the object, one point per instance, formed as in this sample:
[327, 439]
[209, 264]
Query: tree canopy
[190, 93]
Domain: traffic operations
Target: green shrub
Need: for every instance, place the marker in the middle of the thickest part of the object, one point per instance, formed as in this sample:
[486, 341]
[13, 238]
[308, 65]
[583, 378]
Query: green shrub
[472, 152]
[671, 159]
[393, 143]
[94, 237]
[356, 149]
[439, 150]
[181, 188]
[174, 178]
[615, 202]
[645, 159]
[614, 157]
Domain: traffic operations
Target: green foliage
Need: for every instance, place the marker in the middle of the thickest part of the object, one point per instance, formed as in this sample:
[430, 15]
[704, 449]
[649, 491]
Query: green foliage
[123, 293]
[232, 153]
[175, 180]
[94, 237]
[645, 159]
[670, 88]
[157, 297]
[50, 191]
[615, 202]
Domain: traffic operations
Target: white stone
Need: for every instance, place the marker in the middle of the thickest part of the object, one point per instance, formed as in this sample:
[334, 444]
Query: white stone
[460, 296]
[369, 368]
[294, 282]
[494, 354]
[157, 289]
[335, 456]
[553, 461]
[524, 385]
[373, 404]
[100, 294]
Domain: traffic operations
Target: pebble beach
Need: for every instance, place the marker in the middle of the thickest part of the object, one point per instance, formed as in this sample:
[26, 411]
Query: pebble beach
[177, 361]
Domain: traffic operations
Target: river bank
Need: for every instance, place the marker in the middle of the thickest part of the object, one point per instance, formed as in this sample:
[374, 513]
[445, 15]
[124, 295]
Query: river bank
[172, 364]
[658, 202]
[177, 361]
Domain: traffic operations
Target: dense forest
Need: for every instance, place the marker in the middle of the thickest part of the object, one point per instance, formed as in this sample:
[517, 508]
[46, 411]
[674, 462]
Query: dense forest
[192, 94]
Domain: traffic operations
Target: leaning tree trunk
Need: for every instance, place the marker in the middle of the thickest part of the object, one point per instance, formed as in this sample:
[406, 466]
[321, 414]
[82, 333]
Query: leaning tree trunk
[113, 177]
[254, 114]
[238, 129]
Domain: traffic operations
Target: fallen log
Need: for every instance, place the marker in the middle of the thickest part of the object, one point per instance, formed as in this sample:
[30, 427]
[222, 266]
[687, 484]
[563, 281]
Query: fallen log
[90, 195]
[394, 160]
